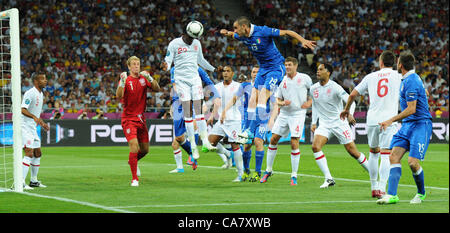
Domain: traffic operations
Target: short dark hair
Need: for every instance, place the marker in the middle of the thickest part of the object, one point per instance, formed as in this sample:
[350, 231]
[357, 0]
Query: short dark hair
[35, 76]
[242, 20]
[328, 67]
[292, 59]
[388, 58]
[407, 60]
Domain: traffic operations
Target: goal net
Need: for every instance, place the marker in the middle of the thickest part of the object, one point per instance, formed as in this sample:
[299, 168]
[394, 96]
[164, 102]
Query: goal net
[10, 101]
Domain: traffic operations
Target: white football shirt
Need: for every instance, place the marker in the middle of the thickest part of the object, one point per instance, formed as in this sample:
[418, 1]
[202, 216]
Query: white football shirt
[296, 90]
[226, 94]
[32, 101]
[327, 103]
[186, 59]
[383, 87]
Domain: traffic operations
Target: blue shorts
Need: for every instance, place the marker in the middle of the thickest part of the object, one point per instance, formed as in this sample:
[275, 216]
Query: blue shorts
[414, 137]
[269, 78]
[179, 127]
[261, 131]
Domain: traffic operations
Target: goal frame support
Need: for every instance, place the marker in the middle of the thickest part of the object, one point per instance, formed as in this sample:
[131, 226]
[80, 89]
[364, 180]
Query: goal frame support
[13, 15]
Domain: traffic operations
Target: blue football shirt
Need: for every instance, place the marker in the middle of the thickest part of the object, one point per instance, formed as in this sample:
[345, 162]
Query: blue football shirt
[412, 89]
[262, 46]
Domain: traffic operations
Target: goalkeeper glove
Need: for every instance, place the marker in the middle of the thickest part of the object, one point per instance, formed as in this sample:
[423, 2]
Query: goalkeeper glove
[123, 79]
[147, 76]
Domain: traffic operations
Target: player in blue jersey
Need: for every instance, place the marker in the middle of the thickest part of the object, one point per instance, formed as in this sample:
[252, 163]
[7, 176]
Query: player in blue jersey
[260, 41]
[414, 134]
[179, 125]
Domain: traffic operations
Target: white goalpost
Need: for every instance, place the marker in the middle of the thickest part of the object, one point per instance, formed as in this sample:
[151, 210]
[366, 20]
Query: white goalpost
[10, 101]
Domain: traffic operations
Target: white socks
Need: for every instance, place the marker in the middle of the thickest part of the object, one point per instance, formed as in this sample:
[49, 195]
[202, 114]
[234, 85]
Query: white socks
[35, 164]
[373, 169]
[202, 129]
[321, 161]
[295, 160]
[363, 161]
[385, 168]
[190, 132]
[271, 154]
[178, 158]
[221, 150]
[25, 166]
[239, 161]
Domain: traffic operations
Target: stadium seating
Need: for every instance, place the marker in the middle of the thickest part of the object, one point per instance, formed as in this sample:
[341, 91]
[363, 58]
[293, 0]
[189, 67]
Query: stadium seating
[83, 46]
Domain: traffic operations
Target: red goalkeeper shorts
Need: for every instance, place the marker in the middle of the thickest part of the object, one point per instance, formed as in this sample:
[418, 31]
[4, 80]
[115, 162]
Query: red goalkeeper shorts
[135, 129]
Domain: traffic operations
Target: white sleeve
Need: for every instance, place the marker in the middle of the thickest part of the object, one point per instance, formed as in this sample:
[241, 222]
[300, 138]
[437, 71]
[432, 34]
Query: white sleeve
[202, 61]
[362, 86]
[308, 83]
[344, 96]
[27, 100]
[314, 109]
[314, 114]
[278, 93]
[169, 55]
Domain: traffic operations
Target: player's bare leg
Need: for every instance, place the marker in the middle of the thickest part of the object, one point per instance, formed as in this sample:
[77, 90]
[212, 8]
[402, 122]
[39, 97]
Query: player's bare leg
[26, 166]
[318, 142]
[132, 160]
[359, 156]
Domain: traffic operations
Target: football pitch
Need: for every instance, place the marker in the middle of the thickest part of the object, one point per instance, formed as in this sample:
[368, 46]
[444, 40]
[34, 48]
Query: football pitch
[97, 180]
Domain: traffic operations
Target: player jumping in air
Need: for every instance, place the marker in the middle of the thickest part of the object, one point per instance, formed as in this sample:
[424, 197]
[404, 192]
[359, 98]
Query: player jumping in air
[260, 41]
[186, 54]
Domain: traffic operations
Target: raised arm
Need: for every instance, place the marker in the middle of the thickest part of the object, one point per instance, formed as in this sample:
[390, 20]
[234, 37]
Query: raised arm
[305, 43]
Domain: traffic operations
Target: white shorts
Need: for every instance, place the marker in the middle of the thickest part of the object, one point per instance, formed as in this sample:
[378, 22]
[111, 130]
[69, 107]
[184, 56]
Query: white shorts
[342, 131]
[381, 138]
[285, 124]
[228, 129]
[30, 138]
[192, 90]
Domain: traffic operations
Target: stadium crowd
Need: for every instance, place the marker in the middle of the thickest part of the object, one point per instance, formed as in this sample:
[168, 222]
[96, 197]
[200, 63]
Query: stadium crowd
[352, 34]
[83, 45]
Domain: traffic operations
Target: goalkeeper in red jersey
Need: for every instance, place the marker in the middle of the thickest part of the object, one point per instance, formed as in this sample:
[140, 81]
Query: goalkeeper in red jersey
[132, 90]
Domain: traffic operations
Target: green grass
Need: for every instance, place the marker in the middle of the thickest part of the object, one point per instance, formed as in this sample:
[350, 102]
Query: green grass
[97, 180]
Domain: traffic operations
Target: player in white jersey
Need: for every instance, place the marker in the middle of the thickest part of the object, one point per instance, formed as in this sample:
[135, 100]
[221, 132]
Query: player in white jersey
[229, 124]
[327, 97]
[31, 111]
[292, 96]
[186, 54]
[383, 87]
